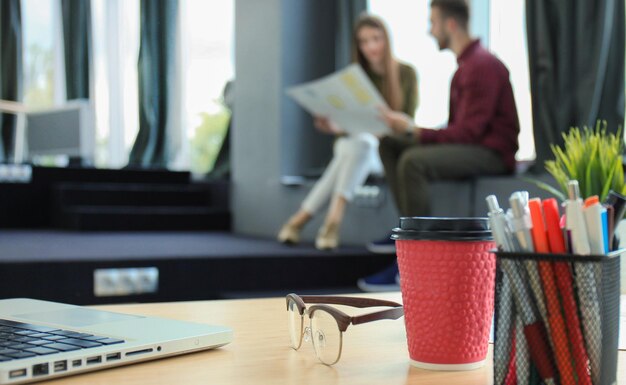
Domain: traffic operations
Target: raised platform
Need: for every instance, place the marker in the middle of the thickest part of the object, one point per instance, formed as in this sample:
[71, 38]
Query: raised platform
[91, 199]
[60, 265]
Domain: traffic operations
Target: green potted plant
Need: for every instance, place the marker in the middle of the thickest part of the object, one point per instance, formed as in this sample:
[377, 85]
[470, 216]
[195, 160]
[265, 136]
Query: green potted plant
[593, 157]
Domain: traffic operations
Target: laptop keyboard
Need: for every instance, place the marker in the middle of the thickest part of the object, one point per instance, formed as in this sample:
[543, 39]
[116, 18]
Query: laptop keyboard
[21, 340]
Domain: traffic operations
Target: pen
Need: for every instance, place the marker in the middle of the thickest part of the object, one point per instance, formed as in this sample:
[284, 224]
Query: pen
[557, 328]
[504, 330]
[566, 288]
[618, 202]
[595, 218]
[556, 241]
[505, 310]
[574, 220]
[590, 312]
[605, 229]
[511, 372]
[522, 361]
[533, 328]
[520, 222]
[521, 226]
[610, 218]
[585, 276]
[593, 213]
[566, 235]
[499, 225]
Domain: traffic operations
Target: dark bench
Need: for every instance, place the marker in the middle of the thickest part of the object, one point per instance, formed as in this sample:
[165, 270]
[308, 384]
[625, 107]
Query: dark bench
[469, 194]
[466, 197]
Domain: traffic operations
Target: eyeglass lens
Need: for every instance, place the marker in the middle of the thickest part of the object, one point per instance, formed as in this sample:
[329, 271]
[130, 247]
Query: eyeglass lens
[326, 336]
[295, 321]
[324, 333]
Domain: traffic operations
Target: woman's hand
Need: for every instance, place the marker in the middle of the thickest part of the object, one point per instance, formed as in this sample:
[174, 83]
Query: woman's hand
[327, 126]
[399, 122]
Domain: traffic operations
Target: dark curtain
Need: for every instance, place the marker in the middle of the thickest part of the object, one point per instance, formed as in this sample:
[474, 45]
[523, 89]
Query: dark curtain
[77, 43]
[347, 13]
[157, 55]
[576, 57]
[10, 69]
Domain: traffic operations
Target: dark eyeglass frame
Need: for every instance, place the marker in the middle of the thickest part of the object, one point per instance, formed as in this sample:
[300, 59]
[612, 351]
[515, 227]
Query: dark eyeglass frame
[343, 320]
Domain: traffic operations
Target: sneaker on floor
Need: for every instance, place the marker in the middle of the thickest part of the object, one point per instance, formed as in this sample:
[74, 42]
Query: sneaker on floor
[385, 280]
[382, 246]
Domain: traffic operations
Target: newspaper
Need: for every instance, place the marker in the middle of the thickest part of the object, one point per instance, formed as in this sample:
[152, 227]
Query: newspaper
[346, 97]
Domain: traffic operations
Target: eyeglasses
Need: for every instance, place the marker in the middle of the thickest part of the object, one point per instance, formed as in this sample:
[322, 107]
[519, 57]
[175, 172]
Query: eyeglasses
[327, 324]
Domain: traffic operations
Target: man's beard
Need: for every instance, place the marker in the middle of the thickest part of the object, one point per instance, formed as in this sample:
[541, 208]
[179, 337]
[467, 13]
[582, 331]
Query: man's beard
[444, 42]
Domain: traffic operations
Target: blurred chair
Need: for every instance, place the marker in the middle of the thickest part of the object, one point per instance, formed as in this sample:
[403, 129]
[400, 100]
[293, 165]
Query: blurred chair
[64, 130]
[19, 110]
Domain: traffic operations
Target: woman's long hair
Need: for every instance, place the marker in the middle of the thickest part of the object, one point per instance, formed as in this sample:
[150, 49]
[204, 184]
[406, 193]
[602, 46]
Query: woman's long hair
[391, 89]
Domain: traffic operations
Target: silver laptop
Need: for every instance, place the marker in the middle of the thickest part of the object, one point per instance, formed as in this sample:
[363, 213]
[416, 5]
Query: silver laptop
[40, 340]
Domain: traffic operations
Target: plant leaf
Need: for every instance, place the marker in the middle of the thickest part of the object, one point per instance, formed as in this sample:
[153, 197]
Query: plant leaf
[545, 186]
[591, 156]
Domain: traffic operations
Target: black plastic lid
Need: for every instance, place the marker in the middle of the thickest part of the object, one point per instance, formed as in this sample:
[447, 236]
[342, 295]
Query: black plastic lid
[443, 229]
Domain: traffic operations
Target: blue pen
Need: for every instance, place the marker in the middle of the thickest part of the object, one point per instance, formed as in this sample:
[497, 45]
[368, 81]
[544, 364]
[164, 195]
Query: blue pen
[618, 204]
[605, 230]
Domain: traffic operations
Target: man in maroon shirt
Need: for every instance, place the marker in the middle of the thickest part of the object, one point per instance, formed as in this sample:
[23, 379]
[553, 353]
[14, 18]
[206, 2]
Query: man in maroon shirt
[481, 136]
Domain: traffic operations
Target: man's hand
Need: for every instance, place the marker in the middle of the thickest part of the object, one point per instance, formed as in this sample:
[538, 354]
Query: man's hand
[327, 126]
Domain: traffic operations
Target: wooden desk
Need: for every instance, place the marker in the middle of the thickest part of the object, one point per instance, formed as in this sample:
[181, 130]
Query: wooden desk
[373, 353]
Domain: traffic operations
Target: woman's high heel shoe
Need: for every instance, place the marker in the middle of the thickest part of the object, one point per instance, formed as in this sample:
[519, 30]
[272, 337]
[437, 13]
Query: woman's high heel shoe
[328, 237]
[289, 234]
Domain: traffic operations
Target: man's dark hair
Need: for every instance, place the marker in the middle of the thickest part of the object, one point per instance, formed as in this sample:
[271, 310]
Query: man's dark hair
[456, 9]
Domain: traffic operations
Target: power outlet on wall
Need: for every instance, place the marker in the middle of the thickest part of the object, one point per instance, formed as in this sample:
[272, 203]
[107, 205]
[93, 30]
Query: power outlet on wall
[369, 196]
[15, 173]
[125, 281]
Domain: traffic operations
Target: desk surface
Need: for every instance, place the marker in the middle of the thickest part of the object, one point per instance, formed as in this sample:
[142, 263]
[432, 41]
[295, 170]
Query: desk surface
[373, 353]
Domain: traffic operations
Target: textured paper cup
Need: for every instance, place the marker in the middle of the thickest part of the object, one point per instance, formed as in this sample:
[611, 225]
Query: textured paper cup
[447, 277]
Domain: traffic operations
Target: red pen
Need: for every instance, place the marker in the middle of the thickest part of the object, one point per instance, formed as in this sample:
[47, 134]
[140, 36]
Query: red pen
[533, 328]
[558, 331]
[564, 284]
[511, 376]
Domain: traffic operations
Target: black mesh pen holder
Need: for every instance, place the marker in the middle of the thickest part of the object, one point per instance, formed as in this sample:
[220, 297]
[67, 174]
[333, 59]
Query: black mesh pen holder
[556, 318]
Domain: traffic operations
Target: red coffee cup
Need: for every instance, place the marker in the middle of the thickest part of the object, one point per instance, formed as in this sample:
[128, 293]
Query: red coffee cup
[447, 277]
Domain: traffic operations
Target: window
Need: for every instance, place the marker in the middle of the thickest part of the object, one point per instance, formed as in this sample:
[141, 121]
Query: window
[206, 56]
[408, 22]
[508, 42]
[43, 62]
[115, 49]
[208, 64]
